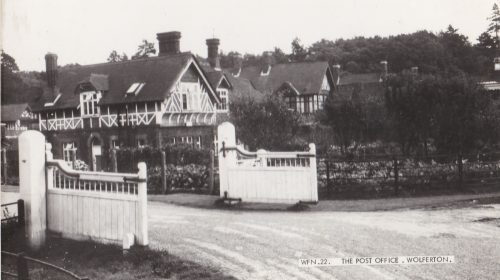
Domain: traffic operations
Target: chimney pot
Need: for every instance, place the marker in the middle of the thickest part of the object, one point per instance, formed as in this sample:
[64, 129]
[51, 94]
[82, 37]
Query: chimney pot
[51, 69]
[213, 53]
[169, 42]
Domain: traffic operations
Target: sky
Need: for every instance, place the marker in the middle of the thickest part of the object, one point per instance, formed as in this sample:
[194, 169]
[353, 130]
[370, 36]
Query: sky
[86, 31]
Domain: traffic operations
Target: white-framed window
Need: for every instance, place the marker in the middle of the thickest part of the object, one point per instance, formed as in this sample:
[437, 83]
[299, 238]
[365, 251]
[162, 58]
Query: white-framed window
[88, 103]
[191, 95]
[69, 151]
[223, 99]
[197, 142]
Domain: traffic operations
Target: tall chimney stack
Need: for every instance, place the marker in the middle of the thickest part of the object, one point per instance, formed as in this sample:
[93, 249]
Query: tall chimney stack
[169, 42]
[213, 53]
[51, 69]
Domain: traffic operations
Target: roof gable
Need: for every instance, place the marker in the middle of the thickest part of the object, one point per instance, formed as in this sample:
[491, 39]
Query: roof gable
[306, 77]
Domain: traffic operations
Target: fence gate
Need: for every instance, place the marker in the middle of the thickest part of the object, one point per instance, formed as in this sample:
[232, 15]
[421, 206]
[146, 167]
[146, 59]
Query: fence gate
[101, 206]
[262, 176]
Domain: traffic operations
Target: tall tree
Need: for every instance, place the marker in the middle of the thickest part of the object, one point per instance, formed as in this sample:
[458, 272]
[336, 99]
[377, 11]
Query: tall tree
[144, 50]
[494, 26]
[299, 52]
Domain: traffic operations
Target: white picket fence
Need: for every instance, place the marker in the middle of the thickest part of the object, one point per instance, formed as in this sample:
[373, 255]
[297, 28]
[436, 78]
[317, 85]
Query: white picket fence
[100, 206]
[262, 176]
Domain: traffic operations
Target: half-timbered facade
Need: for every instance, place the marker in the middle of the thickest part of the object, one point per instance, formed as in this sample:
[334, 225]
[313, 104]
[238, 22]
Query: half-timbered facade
[303, 85]
[87, 110]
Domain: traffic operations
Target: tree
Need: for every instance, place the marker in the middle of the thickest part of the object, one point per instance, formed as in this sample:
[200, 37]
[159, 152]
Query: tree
[494, 26]
[115, 57]
[8, 63]
[144, 50]
[266, 124]
[345, 116]
[280, 56]
[299, 52]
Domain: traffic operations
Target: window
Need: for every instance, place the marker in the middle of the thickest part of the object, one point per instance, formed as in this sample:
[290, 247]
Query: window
[223, 99]
[88, 103]
[307, 102]
[135, 88]
[197, 142]
[292, 103]
[69, 151]
[184, 101]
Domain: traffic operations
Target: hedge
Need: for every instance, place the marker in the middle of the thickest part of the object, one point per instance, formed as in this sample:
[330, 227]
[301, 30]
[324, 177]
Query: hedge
[187, 167]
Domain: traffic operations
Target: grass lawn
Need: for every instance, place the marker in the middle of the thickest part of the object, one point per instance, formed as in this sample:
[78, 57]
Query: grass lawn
[98, 261]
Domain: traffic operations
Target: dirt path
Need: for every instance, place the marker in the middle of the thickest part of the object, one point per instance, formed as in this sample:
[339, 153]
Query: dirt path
[267, 245]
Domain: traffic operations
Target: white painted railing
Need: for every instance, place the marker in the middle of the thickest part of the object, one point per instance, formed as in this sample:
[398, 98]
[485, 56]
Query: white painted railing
[262, 176]
[97, 205]
[61, 123]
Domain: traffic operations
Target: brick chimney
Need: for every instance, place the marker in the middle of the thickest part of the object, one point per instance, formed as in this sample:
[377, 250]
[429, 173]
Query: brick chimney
[51, 69]
[213, 53]
[169, 42]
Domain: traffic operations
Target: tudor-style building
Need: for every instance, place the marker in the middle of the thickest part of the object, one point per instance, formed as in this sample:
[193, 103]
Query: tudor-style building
[304, 85]
[86, 110]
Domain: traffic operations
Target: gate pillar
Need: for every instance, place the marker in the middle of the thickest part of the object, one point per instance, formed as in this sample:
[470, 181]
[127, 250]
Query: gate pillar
[226, 137]
[32, 186]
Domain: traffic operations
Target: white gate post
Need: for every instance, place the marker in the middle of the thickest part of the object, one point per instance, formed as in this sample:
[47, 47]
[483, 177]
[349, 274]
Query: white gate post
[142, 192]
[314, 174]
[226, 136]
[32, 186]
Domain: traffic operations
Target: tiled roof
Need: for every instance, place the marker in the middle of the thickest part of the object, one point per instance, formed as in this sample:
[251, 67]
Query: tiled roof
[348, 78]
[306, 77]
[242, 88]
[157, 73]
[12, 112]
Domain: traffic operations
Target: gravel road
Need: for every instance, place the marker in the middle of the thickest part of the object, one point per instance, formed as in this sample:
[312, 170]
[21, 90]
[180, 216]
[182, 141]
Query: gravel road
[267, 245]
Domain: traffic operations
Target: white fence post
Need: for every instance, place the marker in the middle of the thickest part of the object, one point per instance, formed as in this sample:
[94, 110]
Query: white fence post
[32, 186]
[142, 235]
[49, 173]
[314, 174]
[226, 136]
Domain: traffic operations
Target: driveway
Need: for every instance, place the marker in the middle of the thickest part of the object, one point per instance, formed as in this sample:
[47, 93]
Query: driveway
[267, 245]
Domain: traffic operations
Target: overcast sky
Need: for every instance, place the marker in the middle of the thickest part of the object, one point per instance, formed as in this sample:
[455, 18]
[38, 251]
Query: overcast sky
[85, 32]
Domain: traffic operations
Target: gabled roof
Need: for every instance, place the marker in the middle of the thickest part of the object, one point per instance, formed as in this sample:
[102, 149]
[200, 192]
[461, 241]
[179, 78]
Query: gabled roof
[159, 75]
[13, 112]
[306, 77]
[243, 88]
[215, 77]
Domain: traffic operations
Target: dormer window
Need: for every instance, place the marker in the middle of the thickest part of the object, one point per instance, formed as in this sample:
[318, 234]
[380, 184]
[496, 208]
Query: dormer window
[135, 88]
[88, 103]
[266, 71]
